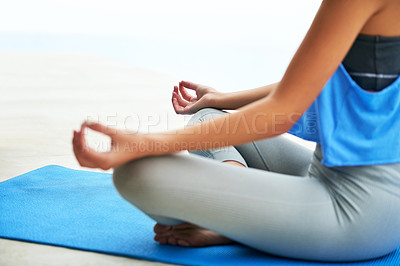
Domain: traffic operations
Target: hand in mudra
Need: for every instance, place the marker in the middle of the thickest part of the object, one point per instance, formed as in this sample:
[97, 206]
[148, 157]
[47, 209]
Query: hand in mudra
[186, 103]
[125, 146]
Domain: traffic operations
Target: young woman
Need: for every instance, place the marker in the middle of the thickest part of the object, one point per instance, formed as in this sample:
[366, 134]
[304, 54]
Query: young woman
[340, 203]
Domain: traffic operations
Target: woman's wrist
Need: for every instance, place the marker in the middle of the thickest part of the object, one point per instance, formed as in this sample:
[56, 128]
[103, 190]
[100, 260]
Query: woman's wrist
[155, 144]
[216, 100]
[169, 142]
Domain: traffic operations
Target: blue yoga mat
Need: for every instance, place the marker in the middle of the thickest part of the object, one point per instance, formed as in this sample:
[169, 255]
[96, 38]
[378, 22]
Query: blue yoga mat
[80, 209]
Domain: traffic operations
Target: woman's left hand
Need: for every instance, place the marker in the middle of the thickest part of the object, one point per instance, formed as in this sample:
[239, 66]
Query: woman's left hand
[185, 103]
[124, 147]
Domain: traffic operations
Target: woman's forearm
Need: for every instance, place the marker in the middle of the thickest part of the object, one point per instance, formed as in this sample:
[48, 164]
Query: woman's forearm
[235, 100]
[262, 119]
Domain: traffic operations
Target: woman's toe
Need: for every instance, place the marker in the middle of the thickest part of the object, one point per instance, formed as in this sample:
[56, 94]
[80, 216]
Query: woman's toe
[160, 228]
[183, 243]
[172, 241]
[162, 241]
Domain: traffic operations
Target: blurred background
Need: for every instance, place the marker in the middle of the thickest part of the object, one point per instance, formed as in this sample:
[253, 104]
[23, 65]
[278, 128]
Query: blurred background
[230, 45]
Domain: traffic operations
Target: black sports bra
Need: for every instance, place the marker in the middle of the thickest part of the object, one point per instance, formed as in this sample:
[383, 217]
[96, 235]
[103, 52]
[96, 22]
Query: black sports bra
[373, 62]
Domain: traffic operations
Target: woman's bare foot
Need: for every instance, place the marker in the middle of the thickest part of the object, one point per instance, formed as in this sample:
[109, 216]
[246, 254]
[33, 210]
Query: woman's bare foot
[188, 235]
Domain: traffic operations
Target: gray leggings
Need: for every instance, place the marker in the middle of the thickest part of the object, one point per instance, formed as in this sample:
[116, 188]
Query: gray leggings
[286, 203]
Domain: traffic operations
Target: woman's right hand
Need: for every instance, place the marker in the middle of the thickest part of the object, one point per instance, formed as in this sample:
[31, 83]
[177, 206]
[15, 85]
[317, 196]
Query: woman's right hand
[125, 146]
[185, 103]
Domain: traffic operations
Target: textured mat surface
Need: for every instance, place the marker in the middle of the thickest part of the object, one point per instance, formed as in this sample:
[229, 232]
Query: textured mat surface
[81, 209]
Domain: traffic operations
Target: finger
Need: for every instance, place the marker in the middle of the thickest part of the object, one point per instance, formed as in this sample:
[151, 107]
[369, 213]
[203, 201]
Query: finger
[78, 150]
[183, 110]
[181, 101]
[74, 142]
[91, 158]
[175, 96]
[81, 138]
[101, 128]
[81, 160]
[174, 91]
[82, 135]
[190, 85]
[82, 152]
[178, 109]
[77, 140]
[184, 92]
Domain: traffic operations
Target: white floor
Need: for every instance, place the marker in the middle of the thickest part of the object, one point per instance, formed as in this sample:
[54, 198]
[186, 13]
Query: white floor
[43, 97]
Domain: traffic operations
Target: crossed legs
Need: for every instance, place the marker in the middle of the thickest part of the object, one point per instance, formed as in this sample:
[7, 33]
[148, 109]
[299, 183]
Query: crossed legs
[267, 155]
[278, 210]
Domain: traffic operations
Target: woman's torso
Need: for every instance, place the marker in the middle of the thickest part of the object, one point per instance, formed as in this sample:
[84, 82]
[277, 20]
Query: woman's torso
[356, 127]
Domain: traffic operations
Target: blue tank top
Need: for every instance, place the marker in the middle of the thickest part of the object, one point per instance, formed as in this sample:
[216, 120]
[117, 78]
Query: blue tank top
[352, 125]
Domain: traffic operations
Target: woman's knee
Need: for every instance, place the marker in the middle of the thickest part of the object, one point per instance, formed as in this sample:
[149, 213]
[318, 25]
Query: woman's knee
[121, 176]
[205, 114]
[143, 182]
[130, 179]
[138, 180]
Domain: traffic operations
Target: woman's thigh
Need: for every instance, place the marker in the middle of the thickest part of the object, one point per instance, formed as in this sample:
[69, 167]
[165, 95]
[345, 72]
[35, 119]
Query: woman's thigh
[279, 154]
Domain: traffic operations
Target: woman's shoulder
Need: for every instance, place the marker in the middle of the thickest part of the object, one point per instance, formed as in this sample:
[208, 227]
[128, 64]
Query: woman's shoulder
[385, 21]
